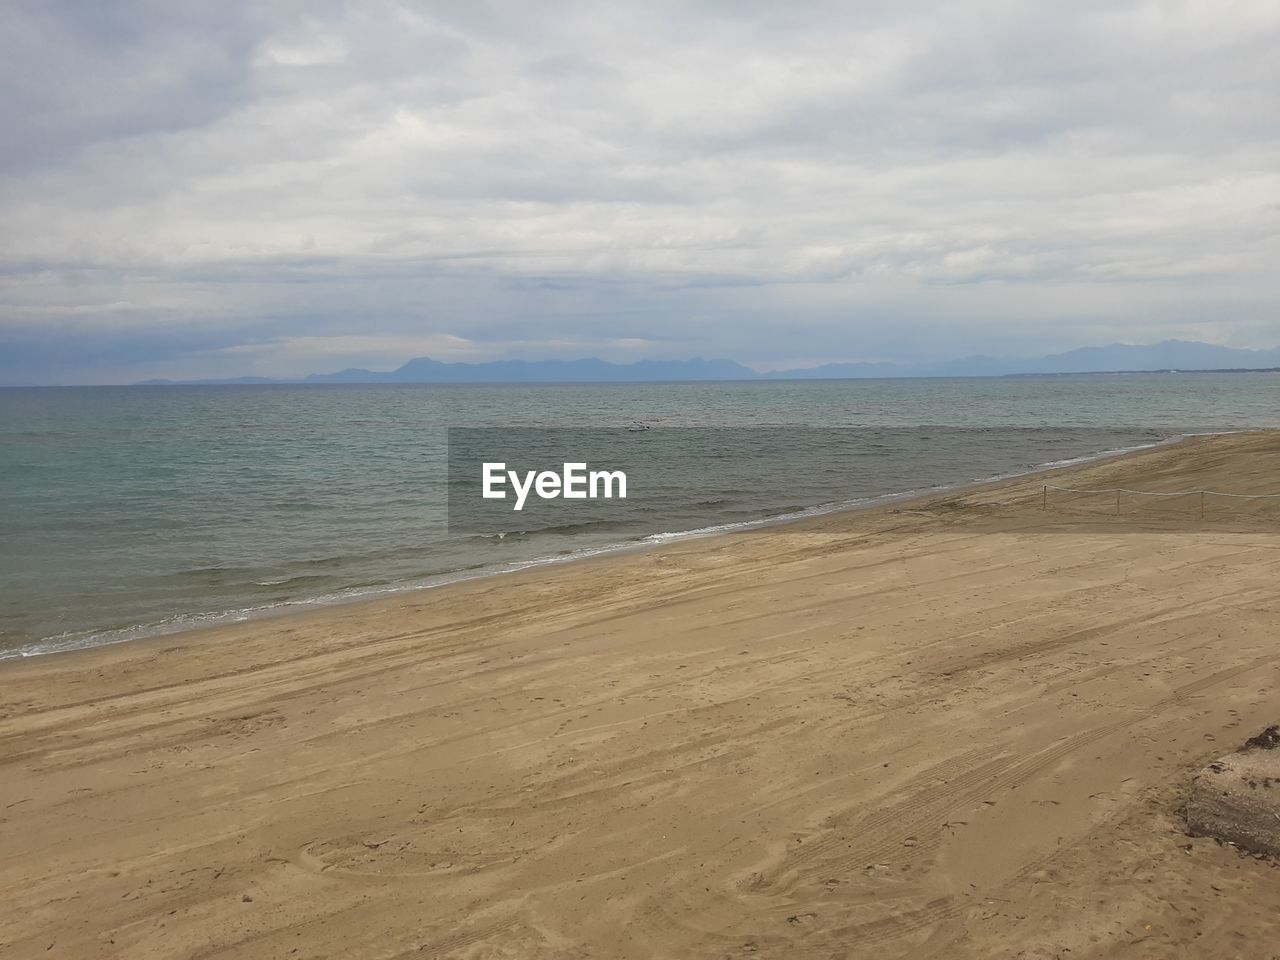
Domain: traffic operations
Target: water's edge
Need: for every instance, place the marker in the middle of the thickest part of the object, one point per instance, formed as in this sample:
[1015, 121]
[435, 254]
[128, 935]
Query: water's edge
[188, 623]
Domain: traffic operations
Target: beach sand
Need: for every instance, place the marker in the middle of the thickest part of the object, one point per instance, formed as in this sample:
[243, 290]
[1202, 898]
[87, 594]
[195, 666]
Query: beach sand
[956, 728]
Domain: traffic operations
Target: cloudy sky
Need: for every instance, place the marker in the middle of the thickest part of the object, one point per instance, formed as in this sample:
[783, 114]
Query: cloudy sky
[213, 189]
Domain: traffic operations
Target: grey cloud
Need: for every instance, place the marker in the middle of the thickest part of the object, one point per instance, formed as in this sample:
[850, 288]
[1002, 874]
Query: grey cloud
[79, 72]
[755, 180]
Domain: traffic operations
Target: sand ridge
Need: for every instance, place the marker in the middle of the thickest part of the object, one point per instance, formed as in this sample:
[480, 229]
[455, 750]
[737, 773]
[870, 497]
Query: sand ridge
[952, 728]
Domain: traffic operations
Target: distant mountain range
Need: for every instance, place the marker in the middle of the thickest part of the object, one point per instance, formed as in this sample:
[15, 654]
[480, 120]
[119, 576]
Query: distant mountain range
[1116, 358]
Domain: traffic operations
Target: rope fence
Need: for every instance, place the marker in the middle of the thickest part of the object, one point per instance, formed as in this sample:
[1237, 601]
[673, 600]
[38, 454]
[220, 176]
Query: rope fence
[1119, 492]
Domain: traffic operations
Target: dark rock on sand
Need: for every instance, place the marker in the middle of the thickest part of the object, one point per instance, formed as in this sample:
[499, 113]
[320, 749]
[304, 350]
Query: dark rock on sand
[1236, 799]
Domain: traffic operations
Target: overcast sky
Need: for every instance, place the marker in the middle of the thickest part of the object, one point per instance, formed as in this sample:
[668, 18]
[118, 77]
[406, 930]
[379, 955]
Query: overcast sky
[217, 188]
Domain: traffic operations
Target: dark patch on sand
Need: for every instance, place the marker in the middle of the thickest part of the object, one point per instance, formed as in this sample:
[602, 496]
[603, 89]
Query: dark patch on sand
[1268, 739]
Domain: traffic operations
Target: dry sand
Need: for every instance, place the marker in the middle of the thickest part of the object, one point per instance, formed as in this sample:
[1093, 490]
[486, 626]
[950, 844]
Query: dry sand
[957, 729]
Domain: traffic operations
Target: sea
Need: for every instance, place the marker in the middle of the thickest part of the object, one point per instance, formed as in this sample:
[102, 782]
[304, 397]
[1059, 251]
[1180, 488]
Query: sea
[128, 512]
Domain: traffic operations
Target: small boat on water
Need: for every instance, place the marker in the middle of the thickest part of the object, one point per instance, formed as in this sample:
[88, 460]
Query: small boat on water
[637, 427]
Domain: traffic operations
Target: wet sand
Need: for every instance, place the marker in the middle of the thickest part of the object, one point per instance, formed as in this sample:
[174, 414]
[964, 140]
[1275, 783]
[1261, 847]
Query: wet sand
[955, 728]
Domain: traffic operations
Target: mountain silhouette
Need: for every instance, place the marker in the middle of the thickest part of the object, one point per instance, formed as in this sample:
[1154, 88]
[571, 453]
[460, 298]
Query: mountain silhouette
[1115, 358]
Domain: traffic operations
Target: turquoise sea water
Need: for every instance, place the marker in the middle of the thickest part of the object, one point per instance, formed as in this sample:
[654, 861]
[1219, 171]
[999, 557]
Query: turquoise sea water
[131, 511]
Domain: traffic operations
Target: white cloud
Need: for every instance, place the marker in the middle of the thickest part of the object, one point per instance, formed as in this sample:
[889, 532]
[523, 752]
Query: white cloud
[573, 177]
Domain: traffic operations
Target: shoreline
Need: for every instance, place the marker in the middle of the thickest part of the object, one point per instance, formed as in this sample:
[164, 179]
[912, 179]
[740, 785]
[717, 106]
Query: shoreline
[958, 725]
[93, 640]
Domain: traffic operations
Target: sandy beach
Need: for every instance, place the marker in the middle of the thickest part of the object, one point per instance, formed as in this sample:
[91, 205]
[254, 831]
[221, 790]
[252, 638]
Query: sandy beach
[959, 727]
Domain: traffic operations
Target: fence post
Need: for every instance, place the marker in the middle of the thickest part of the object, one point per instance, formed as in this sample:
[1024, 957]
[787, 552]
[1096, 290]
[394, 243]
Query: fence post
[1044, 504]
[1117, 503]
